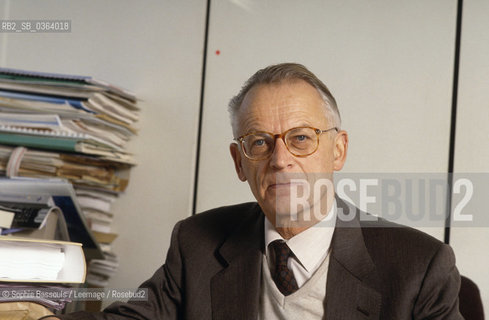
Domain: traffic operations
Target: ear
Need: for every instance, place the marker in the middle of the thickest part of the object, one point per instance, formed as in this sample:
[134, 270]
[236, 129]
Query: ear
[340, 150]
[234, 149]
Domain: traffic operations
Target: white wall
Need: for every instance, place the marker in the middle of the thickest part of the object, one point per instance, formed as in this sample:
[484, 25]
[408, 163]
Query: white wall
[154, 49]
[388, 63]
[471, 245]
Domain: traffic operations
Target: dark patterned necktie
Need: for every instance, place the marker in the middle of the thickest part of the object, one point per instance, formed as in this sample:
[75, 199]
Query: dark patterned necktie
[282, 275]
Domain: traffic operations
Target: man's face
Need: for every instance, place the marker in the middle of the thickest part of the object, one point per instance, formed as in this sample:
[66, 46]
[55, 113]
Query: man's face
[276, 108]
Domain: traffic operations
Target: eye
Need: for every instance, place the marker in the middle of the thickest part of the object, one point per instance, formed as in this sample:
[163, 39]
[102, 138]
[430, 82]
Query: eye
[259, 142]
[300, 138]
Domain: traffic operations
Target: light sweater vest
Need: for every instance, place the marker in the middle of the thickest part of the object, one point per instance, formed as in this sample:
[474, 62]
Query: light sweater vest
[305, 303]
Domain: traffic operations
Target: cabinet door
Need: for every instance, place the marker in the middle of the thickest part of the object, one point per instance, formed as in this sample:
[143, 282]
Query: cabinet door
[471, 245]
[388, 63]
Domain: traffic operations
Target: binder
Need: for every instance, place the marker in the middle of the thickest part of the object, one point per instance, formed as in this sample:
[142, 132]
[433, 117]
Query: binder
[24, 75]
[75, 103]
[63, 196]
[64, 142]
[73, 268]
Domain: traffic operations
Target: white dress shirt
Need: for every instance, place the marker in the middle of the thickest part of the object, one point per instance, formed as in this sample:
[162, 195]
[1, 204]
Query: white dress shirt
[310, 247]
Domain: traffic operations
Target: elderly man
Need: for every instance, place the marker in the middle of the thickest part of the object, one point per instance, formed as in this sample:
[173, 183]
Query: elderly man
[285, 257]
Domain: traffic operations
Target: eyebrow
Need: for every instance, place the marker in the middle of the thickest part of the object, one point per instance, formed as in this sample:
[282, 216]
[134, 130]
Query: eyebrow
[253, 129]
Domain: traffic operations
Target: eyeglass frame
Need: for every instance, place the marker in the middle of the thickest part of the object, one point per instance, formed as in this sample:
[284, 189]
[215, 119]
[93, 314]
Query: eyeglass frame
[282, 136]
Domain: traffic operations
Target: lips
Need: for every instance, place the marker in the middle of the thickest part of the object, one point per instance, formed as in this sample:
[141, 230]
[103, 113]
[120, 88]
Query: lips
[282, 184]
[286, 185]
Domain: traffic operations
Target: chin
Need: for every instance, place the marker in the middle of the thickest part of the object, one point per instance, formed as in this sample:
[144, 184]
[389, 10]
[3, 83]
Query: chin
[286, 215]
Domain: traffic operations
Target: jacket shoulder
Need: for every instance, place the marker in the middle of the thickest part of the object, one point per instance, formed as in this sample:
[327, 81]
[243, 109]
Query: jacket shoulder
[390, 238]
[389, 234]
[402, 250]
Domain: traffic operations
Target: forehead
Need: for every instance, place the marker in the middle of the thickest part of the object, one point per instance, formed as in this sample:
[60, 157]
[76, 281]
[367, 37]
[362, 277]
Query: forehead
[278, 105]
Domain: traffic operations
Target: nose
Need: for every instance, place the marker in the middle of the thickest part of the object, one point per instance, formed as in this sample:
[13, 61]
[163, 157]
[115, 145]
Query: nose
[281, 157]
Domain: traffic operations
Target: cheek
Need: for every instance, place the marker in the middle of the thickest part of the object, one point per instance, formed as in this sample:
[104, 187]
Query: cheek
[320, 162]
[255, 173]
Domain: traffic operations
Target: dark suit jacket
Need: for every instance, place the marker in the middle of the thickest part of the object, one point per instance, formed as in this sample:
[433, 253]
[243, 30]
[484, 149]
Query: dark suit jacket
[378, 270]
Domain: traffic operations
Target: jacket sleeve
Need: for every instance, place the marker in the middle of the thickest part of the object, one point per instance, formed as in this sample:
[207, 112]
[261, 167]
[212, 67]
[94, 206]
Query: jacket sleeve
[164, 299]
[438, 295]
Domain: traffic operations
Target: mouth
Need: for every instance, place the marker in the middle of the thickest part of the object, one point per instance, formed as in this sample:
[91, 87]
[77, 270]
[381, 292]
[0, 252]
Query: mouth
[284, 185]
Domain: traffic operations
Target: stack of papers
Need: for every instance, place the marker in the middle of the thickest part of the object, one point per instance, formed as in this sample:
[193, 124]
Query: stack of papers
[100, 271]
[66, 113]
[96, 207]
[81, 170]
[71, 127]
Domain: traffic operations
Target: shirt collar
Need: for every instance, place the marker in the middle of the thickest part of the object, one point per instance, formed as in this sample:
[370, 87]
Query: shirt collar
[312, 244]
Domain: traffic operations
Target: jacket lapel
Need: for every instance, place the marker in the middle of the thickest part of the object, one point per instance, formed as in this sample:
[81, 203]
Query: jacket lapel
[352, 278]
[234, 296]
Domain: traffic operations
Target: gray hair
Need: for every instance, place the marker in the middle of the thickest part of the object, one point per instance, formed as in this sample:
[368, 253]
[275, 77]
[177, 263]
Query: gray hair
[283, 72]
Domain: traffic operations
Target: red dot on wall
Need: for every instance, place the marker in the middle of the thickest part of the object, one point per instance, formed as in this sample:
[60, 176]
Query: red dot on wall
[218, 52]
